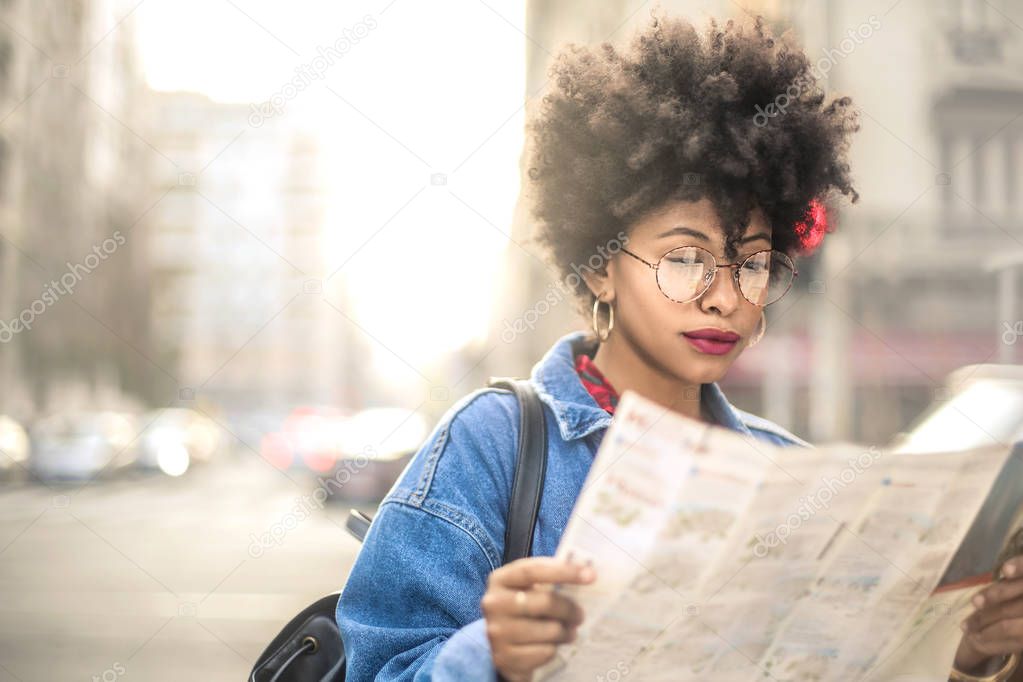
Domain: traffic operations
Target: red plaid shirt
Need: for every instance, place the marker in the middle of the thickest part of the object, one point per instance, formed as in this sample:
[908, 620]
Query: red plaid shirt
[596, 383]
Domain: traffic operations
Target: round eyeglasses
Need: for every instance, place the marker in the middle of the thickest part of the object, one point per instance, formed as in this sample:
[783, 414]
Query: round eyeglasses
[686, 272]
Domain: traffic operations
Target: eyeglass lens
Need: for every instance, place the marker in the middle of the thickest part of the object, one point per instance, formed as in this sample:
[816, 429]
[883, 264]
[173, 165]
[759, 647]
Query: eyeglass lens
[686, 272]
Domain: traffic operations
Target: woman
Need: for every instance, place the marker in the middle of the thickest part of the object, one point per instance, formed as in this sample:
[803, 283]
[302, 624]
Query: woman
[672, 209]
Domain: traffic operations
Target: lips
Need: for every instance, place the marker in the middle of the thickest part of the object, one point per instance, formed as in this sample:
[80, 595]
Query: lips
[713, 335]
[712, 341]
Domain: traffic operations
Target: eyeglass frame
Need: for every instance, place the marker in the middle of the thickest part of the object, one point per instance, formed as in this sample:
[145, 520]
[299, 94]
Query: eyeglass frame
[735, 273]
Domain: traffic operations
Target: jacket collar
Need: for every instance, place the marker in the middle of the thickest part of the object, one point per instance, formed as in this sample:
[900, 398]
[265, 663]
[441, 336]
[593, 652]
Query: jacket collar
[577, 413]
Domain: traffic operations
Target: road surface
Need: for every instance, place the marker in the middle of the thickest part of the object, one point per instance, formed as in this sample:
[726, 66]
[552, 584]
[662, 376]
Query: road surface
[158, 579]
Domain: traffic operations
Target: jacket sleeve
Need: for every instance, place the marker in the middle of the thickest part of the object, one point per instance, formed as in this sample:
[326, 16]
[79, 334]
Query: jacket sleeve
[410, 609]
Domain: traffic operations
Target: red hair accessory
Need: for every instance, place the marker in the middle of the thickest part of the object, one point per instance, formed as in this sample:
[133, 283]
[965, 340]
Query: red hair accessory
[810, 230]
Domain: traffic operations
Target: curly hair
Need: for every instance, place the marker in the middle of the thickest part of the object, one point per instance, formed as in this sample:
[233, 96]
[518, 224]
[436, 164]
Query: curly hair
[735, 116]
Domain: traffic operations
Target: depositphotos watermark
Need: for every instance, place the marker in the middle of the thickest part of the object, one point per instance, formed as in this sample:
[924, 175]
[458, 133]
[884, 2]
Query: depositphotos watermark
[558, 290]
[65, 286]
[304, 506]
[818, 71]
[110, 674]
[816, 501]
[314, 70]
[615, 674]
[1012, 333]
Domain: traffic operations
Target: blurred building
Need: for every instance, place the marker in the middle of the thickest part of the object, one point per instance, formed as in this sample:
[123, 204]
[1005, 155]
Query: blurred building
[237, 249]
[527, 282]
[905, 290]
[72, 174]
[908, 287]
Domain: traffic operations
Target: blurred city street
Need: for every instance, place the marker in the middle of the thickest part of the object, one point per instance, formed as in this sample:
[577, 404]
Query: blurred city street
[251, 253]
[158, 578]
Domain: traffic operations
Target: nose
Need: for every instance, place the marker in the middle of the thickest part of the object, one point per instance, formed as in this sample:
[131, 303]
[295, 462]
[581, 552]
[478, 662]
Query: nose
[723, 294]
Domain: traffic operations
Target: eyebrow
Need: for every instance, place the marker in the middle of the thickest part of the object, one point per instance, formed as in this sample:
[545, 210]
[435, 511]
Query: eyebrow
[690, 232]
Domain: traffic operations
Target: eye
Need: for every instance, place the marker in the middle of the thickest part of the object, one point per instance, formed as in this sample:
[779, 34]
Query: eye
[754, 266]
[757, 263]
[684, 257]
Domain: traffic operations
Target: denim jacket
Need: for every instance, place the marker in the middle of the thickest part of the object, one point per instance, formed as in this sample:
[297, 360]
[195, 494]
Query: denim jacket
[411, 607]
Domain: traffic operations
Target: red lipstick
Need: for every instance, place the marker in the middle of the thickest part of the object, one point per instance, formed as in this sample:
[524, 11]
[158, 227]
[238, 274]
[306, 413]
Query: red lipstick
[712, 341]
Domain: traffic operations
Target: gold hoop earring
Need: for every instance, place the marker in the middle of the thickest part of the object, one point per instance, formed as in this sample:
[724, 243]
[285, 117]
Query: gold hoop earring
[610, 320]
[762, 327]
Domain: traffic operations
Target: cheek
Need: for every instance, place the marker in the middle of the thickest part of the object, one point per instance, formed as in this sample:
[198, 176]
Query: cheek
[750, 319]
[642, 304]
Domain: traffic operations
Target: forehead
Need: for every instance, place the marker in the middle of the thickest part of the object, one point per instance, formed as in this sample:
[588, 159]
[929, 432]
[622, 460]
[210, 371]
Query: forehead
[701, 215]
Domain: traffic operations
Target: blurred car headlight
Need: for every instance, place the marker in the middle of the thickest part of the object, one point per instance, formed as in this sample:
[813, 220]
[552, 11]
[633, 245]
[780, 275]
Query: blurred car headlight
[172, 458]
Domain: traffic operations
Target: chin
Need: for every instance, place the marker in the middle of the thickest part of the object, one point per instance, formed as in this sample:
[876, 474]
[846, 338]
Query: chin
[703, 368]
[710, 377]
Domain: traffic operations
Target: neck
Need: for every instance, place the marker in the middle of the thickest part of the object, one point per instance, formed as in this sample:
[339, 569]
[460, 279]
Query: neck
[627, 368]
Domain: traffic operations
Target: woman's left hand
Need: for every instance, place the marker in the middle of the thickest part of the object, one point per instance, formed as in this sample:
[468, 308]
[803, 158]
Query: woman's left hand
[995, 628]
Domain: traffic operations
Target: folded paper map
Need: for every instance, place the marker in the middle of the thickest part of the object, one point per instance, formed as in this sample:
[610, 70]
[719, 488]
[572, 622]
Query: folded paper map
[719, 556]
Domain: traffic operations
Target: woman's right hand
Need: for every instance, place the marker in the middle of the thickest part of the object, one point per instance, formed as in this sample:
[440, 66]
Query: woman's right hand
[526, 619]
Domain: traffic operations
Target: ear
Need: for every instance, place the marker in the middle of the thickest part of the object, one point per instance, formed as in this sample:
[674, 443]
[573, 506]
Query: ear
[601, 283]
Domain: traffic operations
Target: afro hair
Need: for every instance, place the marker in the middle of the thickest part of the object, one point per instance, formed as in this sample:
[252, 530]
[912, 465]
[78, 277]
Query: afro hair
[733, 115]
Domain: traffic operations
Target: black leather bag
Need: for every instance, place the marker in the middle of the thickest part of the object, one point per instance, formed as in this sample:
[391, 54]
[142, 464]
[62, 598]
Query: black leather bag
[309, 648]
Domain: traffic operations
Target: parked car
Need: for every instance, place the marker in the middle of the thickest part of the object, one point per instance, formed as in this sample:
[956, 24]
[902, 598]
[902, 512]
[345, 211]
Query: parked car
[306, 440]
[174, 439]
[356, 457]
[80, 446]
[979, 405]
[374, 447]
[247, 428]
[13, 448]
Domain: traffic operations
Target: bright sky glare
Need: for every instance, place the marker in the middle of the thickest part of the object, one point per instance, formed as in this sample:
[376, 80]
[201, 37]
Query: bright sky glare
[420, 121]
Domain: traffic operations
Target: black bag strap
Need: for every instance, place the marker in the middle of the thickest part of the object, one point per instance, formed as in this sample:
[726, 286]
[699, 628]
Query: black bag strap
[530, 469]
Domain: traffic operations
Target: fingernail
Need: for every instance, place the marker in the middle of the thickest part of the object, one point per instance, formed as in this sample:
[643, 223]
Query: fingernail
[1009, 569]
[586, 573]
[978, 601]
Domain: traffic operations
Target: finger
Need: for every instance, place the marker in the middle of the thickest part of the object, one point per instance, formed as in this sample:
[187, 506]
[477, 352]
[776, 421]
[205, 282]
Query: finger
[523, 658]
[989, 615]
[992, 647]
[530, 631]
[1013, 567]
[1000, 591]
[525, 573]
[551, 604]
[536, 603]
[1011, 630]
